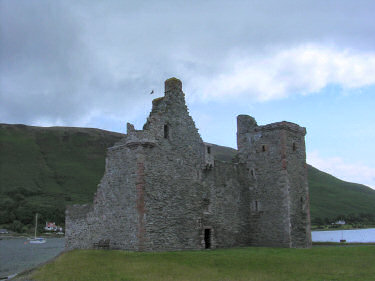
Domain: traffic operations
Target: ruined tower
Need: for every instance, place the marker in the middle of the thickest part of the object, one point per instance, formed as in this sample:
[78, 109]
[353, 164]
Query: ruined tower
[164, 190]
[276, 160]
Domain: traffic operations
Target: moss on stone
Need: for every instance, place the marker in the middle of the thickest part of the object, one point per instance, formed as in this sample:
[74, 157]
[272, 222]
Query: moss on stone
[157, 101]
[173, 79]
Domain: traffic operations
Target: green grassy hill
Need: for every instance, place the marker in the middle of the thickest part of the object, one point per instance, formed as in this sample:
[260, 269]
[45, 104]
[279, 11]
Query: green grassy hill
[44, 169]
[332, 197]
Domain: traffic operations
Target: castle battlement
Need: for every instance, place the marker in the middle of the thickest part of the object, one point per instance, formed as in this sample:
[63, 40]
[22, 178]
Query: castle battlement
[164, 190]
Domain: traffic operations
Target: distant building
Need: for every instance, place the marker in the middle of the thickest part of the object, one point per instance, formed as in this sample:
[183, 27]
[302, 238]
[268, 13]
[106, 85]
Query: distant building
[340, 222]
[164, 190]
[50, 226]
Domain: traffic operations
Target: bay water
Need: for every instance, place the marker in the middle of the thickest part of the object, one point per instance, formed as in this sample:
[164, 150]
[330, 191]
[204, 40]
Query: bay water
[351, 236]
[17, 255]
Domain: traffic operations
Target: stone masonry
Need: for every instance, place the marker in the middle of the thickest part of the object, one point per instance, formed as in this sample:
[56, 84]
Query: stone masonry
[164, 190]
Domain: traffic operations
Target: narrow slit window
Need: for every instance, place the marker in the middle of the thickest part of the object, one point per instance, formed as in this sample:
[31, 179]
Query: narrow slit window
[208, 149]
[206, 205]
[294, 146]
[252, 171]
[256, 206]
[263, 147]
[166, 131]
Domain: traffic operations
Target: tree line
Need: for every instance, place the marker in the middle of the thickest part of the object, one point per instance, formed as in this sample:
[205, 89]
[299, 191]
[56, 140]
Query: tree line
[19, 206]
[356, 220]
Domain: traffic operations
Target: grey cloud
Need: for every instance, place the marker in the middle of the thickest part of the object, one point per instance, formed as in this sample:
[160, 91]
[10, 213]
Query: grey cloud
[39, 57]
[60, 61]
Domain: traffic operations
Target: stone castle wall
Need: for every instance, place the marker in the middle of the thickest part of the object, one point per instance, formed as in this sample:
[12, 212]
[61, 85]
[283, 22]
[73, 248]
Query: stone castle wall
[279, 203]
[228, 209]
[163, 189]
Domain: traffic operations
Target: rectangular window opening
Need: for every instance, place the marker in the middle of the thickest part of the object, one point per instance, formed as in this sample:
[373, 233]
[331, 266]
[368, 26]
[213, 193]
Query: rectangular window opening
[166, 131]
[208, 149]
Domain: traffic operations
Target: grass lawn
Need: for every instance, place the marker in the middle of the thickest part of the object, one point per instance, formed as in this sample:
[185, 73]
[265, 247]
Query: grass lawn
[318, 263]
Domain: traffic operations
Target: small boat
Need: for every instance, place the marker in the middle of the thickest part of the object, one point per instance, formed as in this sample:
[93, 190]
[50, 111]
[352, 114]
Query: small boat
[36, 240]
[342, 240]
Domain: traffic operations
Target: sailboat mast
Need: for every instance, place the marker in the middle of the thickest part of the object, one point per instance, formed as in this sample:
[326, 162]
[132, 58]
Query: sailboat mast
[36, 223]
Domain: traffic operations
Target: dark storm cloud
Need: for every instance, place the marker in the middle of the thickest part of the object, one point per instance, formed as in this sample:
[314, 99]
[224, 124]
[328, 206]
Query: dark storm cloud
[62, 62]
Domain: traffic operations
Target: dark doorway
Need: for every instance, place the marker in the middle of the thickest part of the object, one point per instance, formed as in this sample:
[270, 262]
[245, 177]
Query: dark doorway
[207, 238]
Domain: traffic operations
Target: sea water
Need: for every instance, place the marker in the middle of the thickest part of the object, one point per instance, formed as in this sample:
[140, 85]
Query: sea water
[17, 255]
[351, 236]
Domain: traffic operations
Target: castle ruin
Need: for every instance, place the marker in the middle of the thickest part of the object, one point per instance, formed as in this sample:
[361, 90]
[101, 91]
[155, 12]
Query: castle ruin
[164, 190]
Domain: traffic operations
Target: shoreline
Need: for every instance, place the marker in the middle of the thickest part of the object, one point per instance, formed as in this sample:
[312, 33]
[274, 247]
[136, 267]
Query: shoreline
[12, 236]
[336, 229]
[343, 244]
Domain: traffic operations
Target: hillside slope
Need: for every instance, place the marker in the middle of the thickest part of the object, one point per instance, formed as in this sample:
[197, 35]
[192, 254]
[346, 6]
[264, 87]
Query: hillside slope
[332, 197]
[44, 169]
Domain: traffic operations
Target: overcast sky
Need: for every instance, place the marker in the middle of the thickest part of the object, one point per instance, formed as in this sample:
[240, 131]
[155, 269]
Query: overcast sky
[94, 63]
